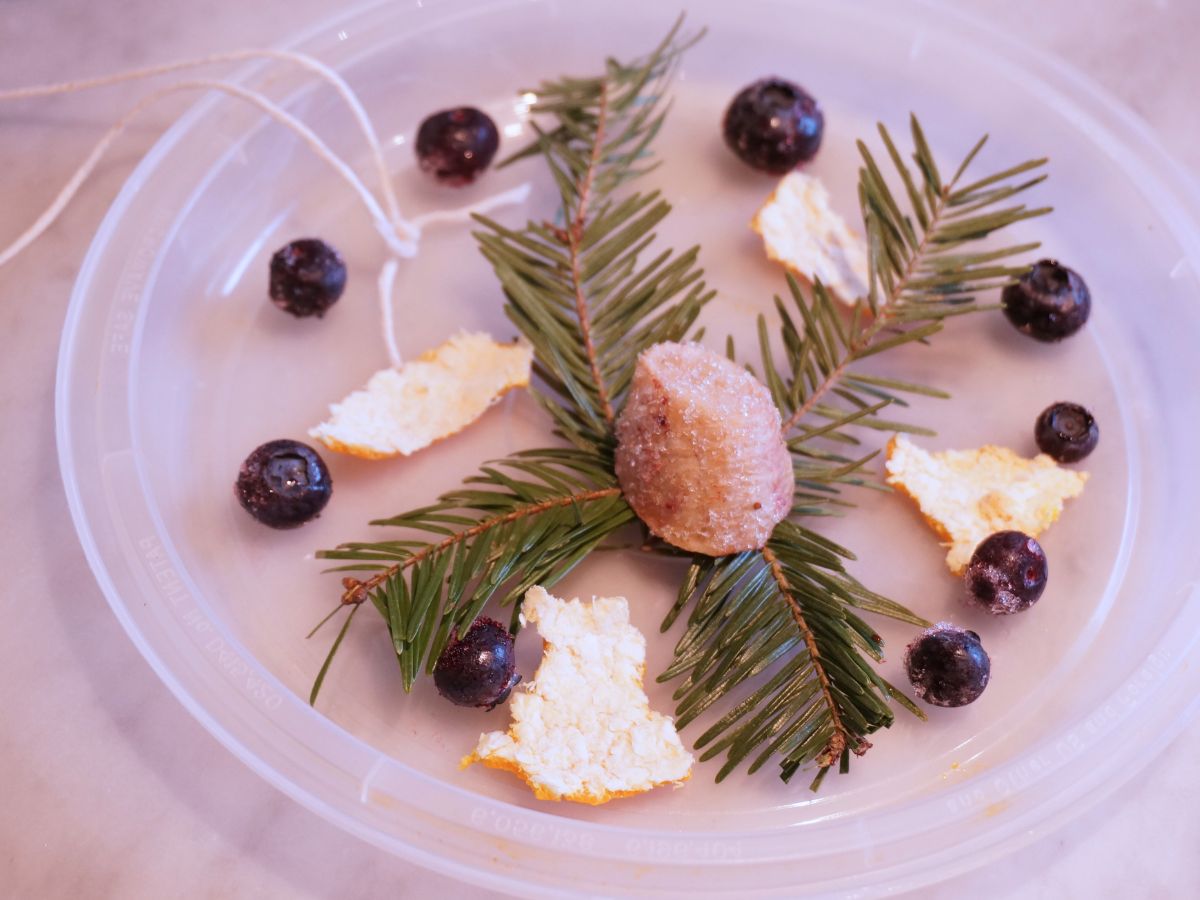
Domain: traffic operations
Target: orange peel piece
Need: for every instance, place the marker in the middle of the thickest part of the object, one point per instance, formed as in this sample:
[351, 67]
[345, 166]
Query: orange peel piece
[801, 230]
[966, 495]
[582, 730]
[401, 411]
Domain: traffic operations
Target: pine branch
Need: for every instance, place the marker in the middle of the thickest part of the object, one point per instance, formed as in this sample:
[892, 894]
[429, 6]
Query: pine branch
[917, 282]
[778, 628]
[578, 291]
[774, 634]
[525, 520]
[575, 241]
[839, 739]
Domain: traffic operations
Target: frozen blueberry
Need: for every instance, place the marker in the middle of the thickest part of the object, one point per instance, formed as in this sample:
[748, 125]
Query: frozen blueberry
[947, 665]
[456, 145]
[774, 125]
[283, 484]
[477, 669]
[307, 277]
[1007, 573]
[1067, 431]
[1049, 303]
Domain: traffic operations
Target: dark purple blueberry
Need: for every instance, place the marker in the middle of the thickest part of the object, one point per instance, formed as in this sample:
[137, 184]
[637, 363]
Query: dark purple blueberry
[774, 125]
[1050, 302]
[307, 277]
[456, 145]
[947, 665]
[477, 669]
[1007, 573]
[283, 484]
[1067, 431]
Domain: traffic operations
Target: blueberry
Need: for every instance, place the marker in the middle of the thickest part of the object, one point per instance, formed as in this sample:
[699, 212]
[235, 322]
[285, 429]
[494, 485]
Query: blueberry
[456, 145]
[477, 669]
[774, 125]
[1067, 431]
[307, 277]
[1049, 303]
[947, 665]
[1007, 573]
[283, 484]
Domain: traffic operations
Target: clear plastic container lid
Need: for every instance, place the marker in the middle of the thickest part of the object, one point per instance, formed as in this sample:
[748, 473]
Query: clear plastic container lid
[174, 366]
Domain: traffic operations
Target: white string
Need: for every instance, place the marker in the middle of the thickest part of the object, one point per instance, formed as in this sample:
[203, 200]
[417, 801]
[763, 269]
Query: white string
[386, 224]
[406, 249]
[512, 197]
[387, 276]
[303, 60]
[387, 279]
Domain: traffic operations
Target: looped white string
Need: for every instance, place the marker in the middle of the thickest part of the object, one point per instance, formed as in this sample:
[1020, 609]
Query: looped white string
[301, 59]
[512, 197]
[387, 278]
[398, 246]
[399, 234]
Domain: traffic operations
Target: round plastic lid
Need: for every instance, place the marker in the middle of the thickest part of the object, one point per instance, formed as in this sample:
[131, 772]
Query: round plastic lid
[174, 366]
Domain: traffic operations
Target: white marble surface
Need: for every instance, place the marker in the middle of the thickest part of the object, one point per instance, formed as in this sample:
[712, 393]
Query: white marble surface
[110, 789]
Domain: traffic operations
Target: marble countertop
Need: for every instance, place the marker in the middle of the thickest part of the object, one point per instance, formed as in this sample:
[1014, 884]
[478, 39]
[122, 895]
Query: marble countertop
[111, 789]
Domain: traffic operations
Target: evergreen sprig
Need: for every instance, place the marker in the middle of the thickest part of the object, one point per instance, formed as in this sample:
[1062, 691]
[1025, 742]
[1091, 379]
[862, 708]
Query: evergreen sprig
[577, 288]
[524, 520]
[779, 625]
[920, 275]
[788, 608]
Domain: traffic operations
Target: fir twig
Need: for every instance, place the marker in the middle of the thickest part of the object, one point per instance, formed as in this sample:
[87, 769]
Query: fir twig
[777, 627]
[779, 622]
[919, 278]
[839, 739]
[574, 235]
[525, 520]
[579, 292]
